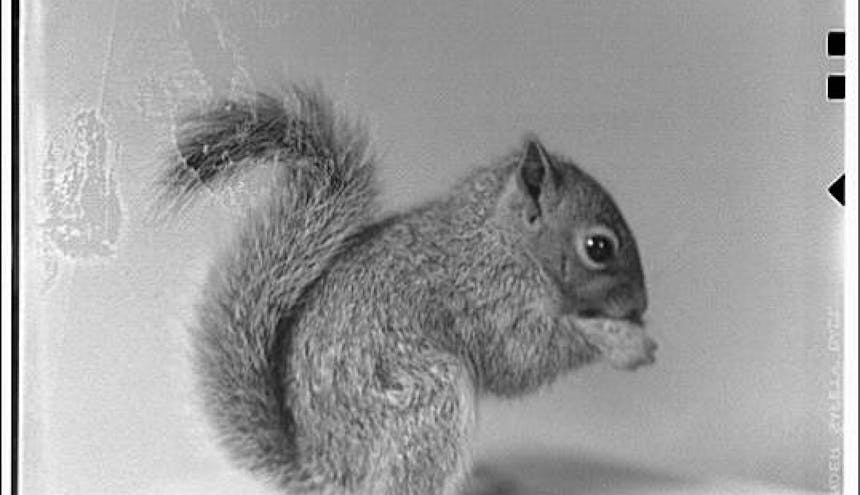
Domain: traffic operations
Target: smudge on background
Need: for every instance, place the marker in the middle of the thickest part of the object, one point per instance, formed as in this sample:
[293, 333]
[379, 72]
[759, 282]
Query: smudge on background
[82, 205]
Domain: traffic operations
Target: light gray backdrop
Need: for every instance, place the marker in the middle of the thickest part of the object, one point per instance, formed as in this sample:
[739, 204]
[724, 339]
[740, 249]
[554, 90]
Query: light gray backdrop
[706, 120]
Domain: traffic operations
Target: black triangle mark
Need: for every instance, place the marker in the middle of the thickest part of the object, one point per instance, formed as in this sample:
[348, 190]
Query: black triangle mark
[837, 189]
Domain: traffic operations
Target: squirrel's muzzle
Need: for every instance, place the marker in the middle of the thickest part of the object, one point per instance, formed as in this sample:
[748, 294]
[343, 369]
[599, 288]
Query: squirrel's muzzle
[619, 301]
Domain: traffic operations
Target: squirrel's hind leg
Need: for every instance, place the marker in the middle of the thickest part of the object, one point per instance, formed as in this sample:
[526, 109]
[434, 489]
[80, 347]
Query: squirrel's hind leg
[386, 419]
[430, 420]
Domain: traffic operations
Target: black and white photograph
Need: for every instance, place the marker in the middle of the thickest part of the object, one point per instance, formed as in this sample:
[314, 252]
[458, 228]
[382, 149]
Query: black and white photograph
[431, 248]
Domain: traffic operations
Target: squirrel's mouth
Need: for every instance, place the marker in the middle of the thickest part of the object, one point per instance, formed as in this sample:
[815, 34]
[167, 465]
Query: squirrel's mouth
[633, 317]
[590, 313]
[622, 342]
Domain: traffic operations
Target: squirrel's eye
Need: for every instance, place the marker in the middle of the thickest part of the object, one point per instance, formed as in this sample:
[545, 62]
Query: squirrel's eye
[597, 247]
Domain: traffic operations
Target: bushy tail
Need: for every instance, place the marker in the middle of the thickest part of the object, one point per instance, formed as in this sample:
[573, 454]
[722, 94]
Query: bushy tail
[323, 193]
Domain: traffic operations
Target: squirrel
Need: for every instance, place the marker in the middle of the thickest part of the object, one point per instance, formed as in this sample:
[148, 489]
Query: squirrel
[340, 351]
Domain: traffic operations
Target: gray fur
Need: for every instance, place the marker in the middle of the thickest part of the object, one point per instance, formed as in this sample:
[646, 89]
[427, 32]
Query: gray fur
[340, 353]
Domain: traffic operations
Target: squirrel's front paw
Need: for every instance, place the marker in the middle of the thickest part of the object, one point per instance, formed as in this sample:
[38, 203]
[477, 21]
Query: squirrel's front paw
[624, 344]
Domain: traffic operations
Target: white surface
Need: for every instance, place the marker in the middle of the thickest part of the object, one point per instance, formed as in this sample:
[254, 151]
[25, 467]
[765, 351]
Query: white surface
[541, 475]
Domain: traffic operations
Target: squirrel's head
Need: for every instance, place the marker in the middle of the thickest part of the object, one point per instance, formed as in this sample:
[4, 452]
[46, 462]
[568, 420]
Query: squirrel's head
[570, 226]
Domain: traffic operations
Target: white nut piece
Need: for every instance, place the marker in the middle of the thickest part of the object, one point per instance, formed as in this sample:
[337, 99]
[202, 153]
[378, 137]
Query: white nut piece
[625, 345]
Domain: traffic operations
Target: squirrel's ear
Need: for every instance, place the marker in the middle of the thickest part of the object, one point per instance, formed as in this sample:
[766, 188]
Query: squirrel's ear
[536, 176]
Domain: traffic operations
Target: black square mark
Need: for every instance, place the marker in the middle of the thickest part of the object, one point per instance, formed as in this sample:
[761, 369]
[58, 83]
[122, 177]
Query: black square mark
[836, 44]
[836, 87]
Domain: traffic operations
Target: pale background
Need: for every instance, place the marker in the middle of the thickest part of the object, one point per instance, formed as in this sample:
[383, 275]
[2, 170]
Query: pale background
[706, 120]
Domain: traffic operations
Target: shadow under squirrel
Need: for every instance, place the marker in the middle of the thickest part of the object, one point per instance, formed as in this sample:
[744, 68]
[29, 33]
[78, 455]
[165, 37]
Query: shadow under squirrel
[340, 352]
